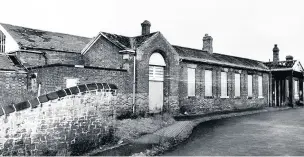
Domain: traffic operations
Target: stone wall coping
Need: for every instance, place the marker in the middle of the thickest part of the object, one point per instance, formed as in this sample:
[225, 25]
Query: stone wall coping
[33, 103]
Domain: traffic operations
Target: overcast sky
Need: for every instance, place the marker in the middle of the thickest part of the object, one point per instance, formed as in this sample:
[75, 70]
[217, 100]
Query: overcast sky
[245, 28]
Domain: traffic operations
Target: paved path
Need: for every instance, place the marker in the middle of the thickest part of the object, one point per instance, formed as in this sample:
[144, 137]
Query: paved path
[264, 134]
[178, 131]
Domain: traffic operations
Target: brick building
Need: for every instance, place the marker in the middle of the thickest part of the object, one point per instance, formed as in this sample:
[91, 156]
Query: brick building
[151, 74]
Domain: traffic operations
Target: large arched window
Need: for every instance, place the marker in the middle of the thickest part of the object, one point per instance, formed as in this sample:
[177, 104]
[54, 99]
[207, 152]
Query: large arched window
[156, 82]
[156, 67]
[157, 59]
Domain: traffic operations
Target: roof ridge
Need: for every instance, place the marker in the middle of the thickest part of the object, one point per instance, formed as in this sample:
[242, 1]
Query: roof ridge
[116, 34]
[188, 48]
[45, 30]
[239, 57]
[217, 53]
[145, 35]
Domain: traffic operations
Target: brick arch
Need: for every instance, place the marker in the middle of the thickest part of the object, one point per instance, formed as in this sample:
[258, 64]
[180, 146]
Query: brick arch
[164, 54]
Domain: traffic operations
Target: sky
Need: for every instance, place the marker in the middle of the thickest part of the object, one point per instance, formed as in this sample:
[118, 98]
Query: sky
[244, 28]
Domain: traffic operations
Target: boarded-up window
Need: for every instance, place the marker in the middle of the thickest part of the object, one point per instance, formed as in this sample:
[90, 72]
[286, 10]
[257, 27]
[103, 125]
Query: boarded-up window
[237, 85]
[208, 83]
[249, 85]
[224, 87]
[191, 82]
[260, 86]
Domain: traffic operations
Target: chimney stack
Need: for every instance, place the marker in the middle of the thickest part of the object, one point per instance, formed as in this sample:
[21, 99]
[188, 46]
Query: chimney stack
[207, 43]
[275, 51]
[145, 27]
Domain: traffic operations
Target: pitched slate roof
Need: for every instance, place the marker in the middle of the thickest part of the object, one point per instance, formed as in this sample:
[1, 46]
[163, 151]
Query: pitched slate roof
[139, 40]
[7, 64]
[123, 42]
[39, 39]
[281, 64]
[127, 42]
[219, 59]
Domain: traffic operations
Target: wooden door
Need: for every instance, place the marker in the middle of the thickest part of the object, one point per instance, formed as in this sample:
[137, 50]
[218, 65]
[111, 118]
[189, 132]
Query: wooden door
[156, 89]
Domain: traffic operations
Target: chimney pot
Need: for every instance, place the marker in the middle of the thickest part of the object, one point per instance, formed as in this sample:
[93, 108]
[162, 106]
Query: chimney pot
[207, 43]
[289, 58]
[145, 27]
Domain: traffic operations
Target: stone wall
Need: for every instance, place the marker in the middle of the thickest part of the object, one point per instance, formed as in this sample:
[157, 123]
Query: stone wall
[199, 104]
[69, 126]
[13, 88]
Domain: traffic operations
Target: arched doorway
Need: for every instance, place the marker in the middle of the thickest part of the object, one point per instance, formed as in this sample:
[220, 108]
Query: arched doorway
[156, 82]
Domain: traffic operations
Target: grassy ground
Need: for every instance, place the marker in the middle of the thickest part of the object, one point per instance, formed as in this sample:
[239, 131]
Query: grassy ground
[125, 130]
[128, 129]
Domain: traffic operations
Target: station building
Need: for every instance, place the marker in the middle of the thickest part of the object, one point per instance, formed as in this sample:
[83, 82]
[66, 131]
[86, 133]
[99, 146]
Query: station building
[151, 74]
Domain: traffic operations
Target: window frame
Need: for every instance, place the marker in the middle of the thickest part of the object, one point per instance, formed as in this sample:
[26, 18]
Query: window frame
[207, 84]
[260, 86]
[249, 92]
[191, 82]
[237, 87]
[223, 82]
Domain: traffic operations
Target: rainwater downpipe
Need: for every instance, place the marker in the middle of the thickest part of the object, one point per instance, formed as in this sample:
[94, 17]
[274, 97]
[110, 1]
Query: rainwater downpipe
[134, 81]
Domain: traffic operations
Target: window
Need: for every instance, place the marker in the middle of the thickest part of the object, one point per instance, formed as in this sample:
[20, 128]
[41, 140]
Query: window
[33, 82]
[71, 82]
[224, 83]
[296, 91]
[208, 83]
[237, 85]
[191, 82]
[2, 42]
[156, 73]
[260, 87]
[249, 86]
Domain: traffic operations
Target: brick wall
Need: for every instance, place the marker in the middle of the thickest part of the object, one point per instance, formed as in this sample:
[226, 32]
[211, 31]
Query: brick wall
[159, 44]
[70, 126]
[13, 88]
[202, 104]
[104, 54]
[53, 78]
